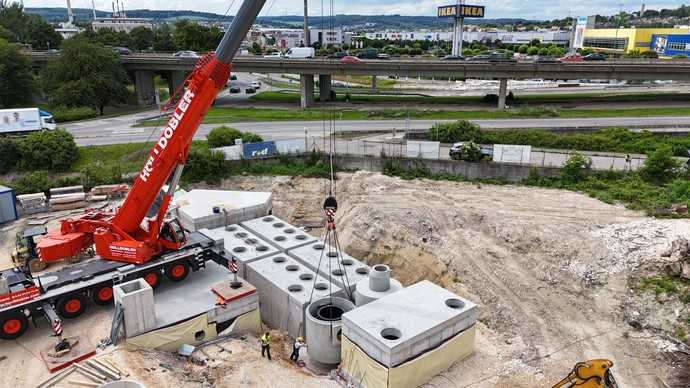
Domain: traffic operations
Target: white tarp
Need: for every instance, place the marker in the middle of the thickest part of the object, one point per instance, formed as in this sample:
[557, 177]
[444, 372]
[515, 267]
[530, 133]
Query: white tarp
[230, 152]
[507, 153]
[291, 146]
[423, 149]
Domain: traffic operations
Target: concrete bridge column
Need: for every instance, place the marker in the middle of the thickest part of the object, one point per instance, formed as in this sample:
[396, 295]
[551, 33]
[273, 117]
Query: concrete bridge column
[502, 92]
[306, 90]
[373, 83]
[324, 87]
[175, 79]
[145, 87]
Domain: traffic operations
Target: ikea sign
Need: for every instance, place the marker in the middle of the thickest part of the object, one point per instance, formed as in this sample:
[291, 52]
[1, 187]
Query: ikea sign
[461, 11]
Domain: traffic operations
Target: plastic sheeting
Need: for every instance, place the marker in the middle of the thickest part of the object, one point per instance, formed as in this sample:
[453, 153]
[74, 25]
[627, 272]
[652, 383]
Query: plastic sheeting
[363, 371]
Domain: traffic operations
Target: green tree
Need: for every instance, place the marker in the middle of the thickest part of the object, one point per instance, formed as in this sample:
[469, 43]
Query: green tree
[85, 74]
[575, 168]
[9, 149]
[17, 83]
[162, 39]
[141, 38]
[461, 130]
[533, 50]
[204, 165]
[41, 35]
[226, 136]
[193, 36]
[660, 167]
[523, 49]
[543, 51]
[53, 150]
[27, 28]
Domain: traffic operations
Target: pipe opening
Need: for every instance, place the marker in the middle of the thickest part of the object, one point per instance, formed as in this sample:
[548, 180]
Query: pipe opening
[268, 219]
[318, 247]
[279, 238]
[337, 272]
[240, 235]
[380, 268]
[391, 334]
[301, 237]
[251, 241]
[347, 262]
[231, 228]
[306, 276]
[239, 249]
[295, 288]
[279, 259]
[329, 312]
[291, 267]
[262, 248]
[362, 270]
[455, 303]
[321, 286]
[289, 231]
[278, 225]
[332, 254]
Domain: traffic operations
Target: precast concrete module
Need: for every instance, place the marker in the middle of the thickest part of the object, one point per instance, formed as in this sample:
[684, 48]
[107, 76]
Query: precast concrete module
[324, 329]
[341, 268]
[136, 299]
[209, 209]
[376, 286]
[278, 233]
[286, 287]
[240, 243]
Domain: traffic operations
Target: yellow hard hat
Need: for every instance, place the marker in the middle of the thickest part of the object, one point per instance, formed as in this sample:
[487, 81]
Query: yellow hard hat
[300, 339]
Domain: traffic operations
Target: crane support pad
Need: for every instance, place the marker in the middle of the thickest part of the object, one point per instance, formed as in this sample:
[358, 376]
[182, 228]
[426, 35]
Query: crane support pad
[82, 350]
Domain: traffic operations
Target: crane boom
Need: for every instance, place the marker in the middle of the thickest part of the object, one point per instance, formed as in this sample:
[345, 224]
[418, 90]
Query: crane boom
[129, 235]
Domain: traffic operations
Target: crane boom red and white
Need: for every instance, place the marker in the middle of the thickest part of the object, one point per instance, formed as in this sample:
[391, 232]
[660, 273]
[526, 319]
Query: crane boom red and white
[138, 231]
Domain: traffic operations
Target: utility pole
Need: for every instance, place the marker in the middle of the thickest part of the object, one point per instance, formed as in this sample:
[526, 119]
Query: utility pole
[307, 38]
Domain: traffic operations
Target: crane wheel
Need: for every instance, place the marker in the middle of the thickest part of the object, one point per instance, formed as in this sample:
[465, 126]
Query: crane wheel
[103, 295]
[37, 265]
[72, 306]
[13, 326]
[153, 278]
[177, 272]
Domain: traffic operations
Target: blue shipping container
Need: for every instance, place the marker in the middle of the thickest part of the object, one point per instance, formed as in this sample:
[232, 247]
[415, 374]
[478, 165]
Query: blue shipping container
[8, 207]
[264, 149]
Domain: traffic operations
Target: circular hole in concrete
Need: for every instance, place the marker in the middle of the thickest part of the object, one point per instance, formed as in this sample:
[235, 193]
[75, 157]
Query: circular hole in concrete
[231, 228]
[318, 247]
[251, 241]
[268, 219]
[332, 254]
[337, 272]
[347, 262]
[306, 276]
[329, 312]
[362, 270]
[295, 288]
[291, 267]
[380, 268]
[262, 248]
[279, 259]
[301, 237]
[321, 286]
[239, 249]
[279, 238]
[278, 225]
[289, 231]
[240, 235]
[391, 334]
[455, 303]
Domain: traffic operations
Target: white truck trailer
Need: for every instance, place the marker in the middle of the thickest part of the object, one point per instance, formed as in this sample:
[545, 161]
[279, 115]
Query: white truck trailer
[25, 120]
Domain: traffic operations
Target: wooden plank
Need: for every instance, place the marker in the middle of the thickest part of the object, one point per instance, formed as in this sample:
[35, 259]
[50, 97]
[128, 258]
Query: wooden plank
[83, 383]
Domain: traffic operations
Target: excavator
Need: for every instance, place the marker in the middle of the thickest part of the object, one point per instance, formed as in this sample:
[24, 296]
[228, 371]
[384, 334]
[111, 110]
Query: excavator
[589, 374]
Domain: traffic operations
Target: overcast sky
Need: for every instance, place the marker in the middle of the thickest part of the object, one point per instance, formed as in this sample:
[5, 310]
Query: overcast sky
[528, 9]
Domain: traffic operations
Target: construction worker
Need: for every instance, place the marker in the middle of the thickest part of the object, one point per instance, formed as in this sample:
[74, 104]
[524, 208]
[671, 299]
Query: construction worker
[266, 345]
[299, 343]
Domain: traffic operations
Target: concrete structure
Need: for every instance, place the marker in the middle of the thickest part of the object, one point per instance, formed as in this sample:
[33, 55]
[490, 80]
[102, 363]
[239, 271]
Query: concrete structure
[240, 244]
[622, 40]
[278, 233]
[668, 46]
[209, 209]
[8, 207]
[343, 270]
[502, 92]
[145, 86]
[306, 90]
[286, 287]
[326, 36]
[324, 87]
[136, 298]
[403, 325]
[324, 329]
[376, 286]
[118, 24]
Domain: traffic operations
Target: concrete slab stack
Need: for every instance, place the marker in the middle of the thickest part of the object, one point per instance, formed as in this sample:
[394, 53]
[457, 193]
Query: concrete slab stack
[240, 243]
[403, 325]
[344, 270]
[278, 232]
[285, 290]
[210, 209]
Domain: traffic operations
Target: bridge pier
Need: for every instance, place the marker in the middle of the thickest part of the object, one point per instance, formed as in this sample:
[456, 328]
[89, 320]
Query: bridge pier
[145, 87]
[175, 80]
[306, 90]
[502, 92]
[373, 83]
[324, 87]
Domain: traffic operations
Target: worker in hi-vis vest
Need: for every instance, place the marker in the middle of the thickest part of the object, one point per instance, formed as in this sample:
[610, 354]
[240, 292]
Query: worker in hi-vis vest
[266, 345]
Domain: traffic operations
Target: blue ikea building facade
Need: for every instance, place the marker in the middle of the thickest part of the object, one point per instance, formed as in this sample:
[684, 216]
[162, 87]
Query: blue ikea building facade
[670, 45]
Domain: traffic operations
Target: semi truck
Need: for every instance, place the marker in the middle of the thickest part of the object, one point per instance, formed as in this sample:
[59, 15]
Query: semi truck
[25, 120]
[138, 239]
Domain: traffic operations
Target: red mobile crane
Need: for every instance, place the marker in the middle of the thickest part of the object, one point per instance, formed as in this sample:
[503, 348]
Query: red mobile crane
[135, 241]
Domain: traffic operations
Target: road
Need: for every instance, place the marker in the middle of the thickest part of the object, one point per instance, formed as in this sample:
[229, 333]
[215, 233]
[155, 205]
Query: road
[119, 129]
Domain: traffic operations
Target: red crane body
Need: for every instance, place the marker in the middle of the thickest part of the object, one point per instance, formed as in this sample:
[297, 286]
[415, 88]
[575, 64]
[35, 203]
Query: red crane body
[128, 235]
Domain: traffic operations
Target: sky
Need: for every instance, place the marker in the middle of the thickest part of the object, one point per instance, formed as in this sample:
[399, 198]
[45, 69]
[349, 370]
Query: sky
[527, 9]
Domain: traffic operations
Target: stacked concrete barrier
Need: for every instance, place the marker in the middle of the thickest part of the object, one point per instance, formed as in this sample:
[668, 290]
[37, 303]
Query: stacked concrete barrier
[241, 244]
[199, 209]
[278, 233]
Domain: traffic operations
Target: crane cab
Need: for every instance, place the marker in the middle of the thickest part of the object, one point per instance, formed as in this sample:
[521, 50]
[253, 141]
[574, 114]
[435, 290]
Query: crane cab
[172, 235]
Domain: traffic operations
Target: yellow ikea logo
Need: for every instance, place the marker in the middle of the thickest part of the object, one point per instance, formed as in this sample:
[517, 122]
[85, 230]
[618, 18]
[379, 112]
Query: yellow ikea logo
[467, 11]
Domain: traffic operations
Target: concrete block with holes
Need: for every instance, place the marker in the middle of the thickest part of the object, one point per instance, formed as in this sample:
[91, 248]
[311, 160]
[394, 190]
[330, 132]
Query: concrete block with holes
[209, 209]
[244, 245]
[285, 288]
[343, 269]
[136, 297]
[409, 322]
[278, 233]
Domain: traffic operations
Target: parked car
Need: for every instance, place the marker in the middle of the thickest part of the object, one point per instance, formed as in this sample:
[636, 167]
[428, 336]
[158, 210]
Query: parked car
[464, 150]
[250, 90]
[277, 55]
[122, 50]
[478, 58]
[337, 55]
[350, 60]
[545, 59]
[453, 58]
[370, 53]
[235, 89]
[500, 57]
[383, 56]
[571, 58]
[53, 51]
[594, 57]
[256, 85]
[233, 77]
[300, 53]
[186, 54]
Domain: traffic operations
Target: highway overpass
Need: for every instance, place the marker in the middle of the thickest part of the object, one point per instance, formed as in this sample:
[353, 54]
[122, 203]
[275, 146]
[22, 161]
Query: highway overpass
[145, 66]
